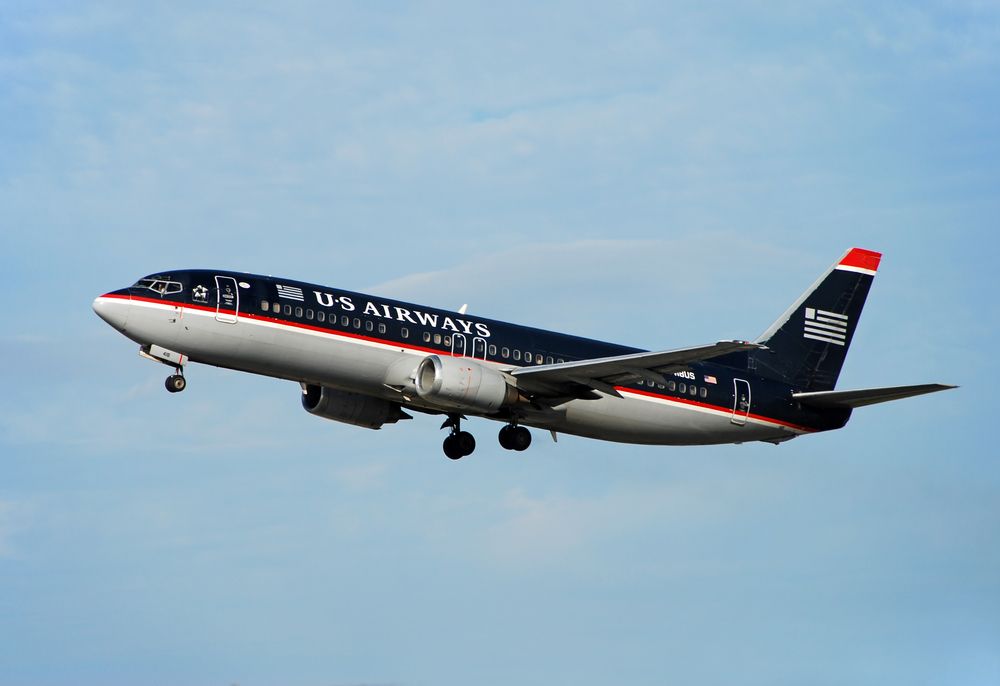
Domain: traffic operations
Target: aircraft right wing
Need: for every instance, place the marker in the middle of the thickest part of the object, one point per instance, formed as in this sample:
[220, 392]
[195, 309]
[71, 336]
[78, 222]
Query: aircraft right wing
[582, 377]
[866, 396]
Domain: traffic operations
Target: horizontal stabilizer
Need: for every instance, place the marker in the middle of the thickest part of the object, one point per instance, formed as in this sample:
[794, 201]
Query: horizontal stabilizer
[866, 396]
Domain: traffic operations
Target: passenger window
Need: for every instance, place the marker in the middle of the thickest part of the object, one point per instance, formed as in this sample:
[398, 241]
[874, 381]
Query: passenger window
[517, 354]
[560, 360]
[404, 332]
[493, 351]
[321, 316]
[288, 309]
[527, 357]
[369, 325]
[345, 320]
[381, 328]
[682, 388]
[427, 336]
[671, 386]
[549, 360]
[505, 353]
[641, 382]
[264, 305]
[693, 390]
[447, 341]
[357, 323]
[298, 312]
[660, 386]
[309, 314]
[437, 339]
[703, 392]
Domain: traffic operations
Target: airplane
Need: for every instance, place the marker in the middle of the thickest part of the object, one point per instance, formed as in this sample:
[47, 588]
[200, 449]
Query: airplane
[367, 360]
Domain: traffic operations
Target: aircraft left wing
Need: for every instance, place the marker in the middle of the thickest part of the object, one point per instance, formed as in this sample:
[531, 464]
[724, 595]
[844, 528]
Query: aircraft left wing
[582, 377]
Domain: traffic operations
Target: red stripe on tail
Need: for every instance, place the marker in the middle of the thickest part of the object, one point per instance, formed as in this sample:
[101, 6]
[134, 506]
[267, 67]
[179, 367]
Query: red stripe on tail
[862, 259]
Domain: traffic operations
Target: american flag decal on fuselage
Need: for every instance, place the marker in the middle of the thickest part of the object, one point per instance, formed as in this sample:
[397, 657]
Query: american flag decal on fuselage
[828, 327]
[290, 292]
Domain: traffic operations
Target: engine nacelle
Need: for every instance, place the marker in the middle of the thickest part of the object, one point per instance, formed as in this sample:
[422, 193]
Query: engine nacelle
[462, 384]
[350, 408]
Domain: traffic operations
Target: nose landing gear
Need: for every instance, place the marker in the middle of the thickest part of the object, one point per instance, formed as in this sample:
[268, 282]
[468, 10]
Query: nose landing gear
[176, 383]
[459, 443]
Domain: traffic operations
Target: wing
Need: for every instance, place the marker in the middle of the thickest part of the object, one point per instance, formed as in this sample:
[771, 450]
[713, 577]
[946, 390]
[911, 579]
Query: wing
[866, 396]
[581, 378]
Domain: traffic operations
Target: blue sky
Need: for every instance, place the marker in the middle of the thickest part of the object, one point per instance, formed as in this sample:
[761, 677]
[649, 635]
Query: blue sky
[655, 174]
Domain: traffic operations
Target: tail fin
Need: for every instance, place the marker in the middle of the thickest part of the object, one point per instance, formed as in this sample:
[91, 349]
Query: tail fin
[807, 345]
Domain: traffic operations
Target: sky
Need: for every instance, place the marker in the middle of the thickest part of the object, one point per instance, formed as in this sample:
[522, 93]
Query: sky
[657, 174]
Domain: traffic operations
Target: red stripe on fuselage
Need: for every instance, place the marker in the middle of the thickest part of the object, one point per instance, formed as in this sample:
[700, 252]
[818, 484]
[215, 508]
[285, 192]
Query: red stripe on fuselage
[709, 406]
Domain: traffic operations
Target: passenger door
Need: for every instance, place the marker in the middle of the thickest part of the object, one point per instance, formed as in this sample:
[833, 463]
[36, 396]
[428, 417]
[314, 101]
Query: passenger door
[479, 348]
[227, 299]
[741, 401]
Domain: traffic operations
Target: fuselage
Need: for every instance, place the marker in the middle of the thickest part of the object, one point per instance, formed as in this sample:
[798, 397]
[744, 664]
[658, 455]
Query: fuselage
[370, 345]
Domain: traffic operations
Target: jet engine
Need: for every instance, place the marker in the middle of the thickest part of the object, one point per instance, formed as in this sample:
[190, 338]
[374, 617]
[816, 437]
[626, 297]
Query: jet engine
[462, 384]
[350, 408]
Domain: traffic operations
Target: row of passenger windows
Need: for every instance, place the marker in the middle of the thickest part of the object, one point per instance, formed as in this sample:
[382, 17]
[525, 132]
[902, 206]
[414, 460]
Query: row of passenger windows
[436, 338]
[681, 387]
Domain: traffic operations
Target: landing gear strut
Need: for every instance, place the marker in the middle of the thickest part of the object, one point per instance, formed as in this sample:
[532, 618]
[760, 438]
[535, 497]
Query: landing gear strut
[514, 437]
[176, 383]
[459, 443]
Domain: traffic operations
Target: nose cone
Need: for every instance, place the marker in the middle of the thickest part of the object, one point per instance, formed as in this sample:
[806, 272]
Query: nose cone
[113, 308]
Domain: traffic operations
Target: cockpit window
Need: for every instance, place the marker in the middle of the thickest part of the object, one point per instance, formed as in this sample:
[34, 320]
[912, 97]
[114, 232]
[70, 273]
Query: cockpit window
[161, 286]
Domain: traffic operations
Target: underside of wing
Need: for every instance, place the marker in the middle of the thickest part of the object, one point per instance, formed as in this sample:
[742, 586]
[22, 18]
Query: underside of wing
[866, 396]
[581, 378]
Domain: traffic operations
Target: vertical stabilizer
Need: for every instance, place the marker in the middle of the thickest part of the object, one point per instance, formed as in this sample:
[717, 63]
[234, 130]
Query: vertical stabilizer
[807, 345]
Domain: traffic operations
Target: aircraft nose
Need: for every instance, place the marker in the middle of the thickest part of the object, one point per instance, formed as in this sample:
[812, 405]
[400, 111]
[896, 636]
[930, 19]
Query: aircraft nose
[113, 309]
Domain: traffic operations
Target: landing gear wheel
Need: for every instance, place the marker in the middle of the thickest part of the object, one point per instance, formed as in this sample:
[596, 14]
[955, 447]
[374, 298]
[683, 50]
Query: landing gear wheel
[514, 438]
[452, 450]
[459, 443]
[506, 440]
[176, 383]
[466, 442]
[520, 438]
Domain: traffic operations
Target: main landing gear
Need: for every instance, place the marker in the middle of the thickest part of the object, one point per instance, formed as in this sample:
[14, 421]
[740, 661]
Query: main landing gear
[513, 437]
[176, 383]
[461, 443]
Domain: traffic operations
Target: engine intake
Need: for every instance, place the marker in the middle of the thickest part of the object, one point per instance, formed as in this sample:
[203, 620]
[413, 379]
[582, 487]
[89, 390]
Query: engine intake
[350, 408]
[462, 384]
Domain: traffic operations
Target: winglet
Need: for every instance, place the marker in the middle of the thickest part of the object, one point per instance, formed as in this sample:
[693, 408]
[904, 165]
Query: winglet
[861, 261]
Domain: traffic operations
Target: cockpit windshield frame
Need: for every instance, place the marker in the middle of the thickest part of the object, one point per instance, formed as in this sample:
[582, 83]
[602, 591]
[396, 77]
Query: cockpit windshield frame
[159, 285]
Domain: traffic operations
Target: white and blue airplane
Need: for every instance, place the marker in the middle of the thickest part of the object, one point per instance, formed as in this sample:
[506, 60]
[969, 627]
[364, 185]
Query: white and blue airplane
[366, 360]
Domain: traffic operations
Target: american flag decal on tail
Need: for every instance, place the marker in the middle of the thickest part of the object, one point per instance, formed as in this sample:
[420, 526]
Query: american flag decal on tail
[828, 327]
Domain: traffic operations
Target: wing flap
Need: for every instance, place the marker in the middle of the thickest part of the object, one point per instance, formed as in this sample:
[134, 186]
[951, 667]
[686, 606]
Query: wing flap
[603, 373]
[866, 396]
